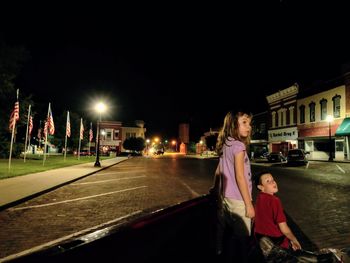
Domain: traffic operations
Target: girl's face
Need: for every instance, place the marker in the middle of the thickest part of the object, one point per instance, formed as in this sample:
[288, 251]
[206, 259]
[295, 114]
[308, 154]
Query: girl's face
[244, 127]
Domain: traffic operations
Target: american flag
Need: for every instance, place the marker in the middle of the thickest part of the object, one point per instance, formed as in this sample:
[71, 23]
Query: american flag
[81, 129]
[14, 116]
[30, 124]
[51, 125]
[45, 128]
[91, 134]
[68, 125]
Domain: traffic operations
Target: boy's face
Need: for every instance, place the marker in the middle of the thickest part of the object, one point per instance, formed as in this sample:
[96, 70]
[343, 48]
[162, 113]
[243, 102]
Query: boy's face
[268, 184]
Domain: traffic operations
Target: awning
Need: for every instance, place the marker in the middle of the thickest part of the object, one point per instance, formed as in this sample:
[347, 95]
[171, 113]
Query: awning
[344, 128]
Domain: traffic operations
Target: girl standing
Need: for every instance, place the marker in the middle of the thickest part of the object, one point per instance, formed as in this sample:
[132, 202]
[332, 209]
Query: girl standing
[234, 167]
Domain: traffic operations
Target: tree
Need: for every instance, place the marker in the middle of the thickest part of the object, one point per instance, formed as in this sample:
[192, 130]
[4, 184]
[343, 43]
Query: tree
[134, 144]
[210, 141]
[11, 61]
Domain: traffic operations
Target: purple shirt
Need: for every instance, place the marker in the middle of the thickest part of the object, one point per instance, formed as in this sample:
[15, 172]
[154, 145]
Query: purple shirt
[227, 167]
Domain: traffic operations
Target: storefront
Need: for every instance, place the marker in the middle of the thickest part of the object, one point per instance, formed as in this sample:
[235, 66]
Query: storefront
[282, 140]
[342, 140]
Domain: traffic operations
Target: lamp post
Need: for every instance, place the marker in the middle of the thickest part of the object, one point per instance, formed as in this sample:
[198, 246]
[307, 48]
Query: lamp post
[174, 144]
[147, 143]
[100, 107]
[329, 120]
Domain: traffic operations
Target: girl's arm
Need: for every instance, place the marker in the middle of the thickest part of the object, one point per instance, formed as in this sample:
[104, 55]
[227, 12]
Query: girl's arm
[242, 184]
[289, 234]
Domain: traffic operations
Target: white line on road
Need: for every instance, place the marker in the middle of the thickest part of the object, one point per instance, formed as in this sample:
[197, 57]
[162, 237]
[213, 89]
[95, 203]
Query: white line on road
[76, 199]
[117, 172]
[59, 240]
[340, 168]
[194, 193]
[307, 165]
[103, 181]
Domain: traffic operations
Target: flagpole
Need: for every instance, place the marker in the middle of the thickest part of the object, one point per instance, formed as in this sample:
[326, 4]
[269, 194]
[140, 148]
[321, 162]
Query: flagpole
[89, 139]
[65, 142]
[81, 123]
[39, 136]
[25, 142]
[12, 135]
[47, 131]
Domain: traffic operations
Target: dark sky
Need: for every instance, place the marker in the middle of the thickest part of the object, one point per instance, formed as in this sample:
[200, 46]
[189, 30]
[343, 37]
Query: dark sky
[172, 64]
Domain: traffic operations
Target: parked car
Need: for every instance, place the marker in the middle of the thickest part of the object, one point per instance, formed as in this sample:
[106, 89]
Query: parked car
[159, 152]
[84, 153]
[276, 157]
[297, 156]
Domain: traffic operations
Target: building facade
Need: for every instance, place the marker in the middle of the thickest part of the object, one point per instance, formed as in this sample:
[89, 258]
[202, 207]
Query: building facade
[259, 142]
[319, 116]
[110, 136]
[283, 131]
[113, 134]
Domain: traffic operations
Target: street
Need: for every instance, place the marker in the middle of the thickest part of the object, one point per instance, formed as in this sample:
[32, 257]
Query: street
[315, 197]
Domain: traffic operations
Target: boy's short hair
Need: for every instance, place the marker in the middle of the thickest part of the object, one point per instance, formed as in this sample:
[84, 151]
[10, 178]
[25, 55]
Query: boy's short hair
[257, 177]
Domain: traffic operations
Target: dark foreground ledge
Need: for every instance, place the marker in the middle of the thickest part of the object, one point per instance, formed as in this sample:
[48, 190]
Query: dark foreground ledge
[181, 233]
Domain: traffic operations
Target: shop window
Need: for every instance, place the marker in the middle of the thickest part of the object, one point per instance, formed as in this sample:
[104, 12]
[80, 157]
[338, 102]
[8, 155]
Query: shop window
[339, 146]
[262, 127]
[116, 134]
[321, 146]
[312, 111]
[109, 136]
[336, 106]
[130, 134]
[323, 104]
[302, 113]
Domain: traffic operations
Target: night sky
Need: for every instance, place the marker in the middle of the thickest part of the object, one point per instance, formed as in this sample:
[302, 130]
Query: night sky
[180, 64]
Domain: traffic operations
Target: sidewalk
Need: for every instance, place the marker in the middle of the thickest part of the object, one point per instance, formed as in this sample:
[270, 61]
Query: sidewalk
[21, 188]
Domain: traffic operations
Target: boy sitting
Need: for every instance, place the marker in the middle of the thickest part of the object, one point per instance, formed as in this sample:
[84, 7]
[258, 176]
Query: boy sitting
[276, 240]
[270, 219]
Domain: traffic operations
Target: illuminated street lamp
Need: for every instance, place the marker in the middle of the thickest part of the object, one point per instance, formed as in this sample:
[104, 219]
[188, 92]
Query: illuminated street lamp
[329, 120]
[100, 108]
[174, 143]
[147, 143]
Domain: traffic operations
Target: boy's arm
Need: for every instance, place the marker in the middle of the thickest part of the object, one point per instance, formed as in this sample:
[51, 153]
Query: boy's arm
[289, 234]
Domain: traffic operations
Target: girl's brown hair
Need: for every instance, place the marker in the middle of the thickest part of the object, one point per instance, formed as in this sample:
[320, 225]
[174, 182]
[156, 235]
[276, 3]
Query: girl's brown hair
[230, 129]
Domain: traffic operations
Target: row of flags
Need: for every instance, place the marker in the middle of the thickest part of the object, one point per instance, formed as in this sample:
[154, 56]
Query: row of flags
[49, 125]
[81, 134]
[49, 128]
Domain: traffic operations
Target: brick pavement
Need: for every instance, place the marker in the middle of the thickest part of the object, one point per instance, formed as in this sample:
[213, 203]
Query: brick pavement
[334, 235]
[21, 188]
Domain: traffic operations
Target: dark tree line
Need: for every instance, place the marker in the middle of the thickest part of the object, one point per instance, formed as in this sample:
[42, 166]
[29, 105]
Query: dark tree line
[12, 59]
[134, 144]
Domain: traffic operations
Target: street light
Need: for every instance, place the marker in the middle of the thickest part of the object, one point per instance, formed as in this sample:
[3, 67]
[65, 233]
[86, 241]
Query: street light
[100, 107]
[174, 144]
[329, 120]
[147, 143]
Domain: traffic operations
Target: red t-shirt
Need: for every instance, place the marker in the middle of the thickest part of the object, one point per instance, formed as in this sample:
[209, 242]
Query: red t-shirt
[268, 214]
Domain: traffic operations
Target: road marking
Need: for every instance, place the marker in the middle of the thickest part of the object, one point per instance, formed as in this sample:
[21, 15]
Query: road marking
[128, 171]
[194, 193]
[340, 168]
[103, 181]
[307, 165]
[59, 240]
[76, 199]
